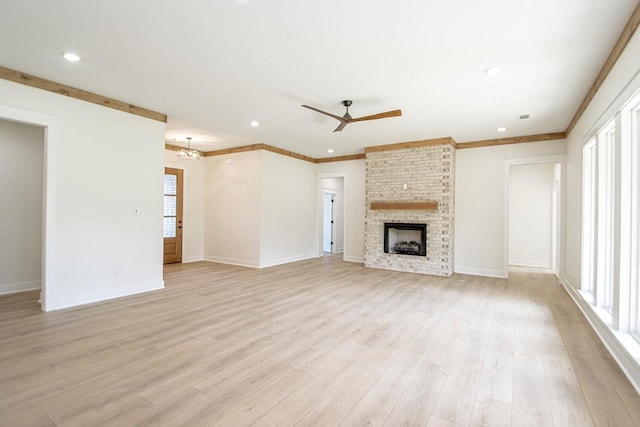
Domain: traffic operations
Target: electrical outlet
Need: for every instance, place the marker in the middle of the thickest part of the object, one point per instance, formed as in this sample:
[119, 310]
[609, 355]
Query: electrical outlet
[116, 272]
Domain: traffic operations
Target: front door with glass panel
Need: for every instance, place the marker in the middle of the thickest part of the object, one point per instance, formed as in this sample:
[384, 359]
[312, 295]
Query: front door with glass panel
[172, 215]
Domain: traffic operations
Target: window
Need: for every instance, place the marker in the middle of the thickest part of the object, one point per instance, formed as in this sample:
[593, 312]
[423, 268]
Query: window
[634, 178]
[170, 198]
[611, 220]
[589, 217]
[605, 224]
[598, 217]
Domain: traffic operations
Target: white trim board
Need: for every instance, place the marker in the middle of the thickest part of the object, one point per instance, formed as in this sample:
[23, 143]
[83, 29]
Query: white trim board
[232, 261]
[105, 294]
[629, 364]
[486, 272]
[192, 259]
[14, 288]
[287, 260]
[529, 263]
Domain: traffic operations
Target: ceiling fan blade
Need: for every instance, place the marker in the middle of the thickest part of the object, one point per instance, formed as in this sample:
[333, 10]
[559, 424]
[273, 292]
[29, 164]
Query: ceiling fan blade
[342, 120]
[341, 126]
[393, 113]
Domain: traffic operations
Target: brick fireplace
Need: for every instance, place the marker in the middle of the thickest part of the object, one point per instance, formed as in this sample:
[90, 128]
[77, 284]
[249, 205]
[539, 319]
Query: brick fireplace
[411, 183]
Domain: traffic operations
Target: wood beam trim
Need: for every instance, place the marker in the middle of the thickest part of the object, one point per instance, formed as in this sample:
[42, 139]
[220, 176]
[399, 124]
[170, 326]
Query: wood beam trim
[411, 144]
[255, 147]
[341, 158]
[425, 205]
[83, 95]
[389, 147]
[289, 153]
[513, 140]
[242, 149]
[618, 48]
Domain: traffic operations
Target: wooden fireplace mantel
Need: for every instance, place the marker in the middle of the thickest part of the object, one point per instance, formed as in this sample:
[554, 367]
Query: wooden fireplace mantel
[427, 205]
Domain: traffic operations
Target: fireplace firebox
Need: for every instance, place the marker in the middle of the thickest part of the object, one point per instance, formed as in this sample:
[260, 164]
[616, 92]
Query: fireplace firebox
[405, 238]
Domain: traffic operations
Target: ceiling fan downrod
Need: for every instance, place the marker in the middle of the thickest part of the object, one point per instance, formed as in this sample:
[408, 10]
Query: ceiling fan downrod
[347, 103]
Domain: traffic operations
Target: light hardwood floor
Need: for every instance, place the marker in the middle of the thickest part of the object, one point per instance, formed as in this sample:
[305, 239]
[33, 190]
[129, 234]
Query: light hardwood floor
[314, 343]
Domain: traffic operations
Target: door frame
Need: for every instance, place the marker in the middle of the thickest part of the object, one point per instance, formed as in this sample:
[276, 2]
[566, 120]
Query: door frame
[51, 144]
[319, 209]
[559, 243]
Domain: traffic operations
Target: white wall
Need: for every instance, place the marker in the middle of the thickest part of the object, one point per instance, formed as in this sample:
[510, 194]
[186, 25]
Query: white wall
[355, 205]
[336, 186]
[21, 193]
[479, 205]
[288, 221]
[193, 204]
[233, 208]
[621, 83]
[101, 165]
[530, 214]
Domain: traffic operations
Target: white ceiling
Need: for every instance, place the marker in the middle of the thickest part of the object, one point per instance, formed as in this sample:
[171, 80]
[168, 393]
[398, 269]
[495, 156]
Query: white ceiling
[215, 65]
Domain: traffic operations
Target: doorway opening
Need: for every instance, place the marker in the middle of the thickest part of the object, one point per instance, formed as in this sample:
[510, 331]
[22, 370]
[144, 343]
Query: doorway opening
[21, 186]
[533, 212]
[331, 214]
[48, 126]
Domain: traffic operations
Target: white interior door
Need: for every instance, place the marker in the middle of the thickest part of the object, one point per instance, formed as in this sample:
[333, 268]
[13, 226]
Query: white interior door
[327, 223]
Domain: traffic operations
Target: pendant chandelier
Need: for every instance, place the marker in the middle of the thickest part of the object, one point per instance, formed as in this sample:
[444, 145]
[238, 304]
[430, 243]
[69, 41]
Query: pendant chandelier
[189, 154]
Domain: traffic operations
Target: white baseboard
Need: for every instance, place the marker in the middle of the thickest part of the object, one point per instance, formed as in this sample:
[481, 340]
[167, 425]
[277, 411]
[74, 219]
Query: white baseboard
[286, 260]
[60, 302]
[14, 288]
[614, 341]
[232, 261]
[192, 259]
[529, 263]
[486, 272]
[358, 259]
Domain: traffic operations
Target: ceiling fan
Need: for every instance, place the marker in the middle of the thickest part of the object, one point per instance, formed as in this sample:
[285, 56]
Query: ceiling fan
[346, 118]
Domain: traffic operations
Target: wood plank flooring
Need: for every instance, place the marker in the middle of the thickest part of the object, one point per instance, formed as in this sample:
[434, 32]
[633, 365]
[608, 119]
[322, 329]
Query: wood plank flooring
[314, 343]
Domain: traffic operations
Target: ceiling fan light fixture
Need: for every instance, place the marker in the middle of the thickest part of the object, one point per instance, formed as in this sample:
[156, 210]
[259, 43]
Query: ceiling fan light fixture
[188, 153]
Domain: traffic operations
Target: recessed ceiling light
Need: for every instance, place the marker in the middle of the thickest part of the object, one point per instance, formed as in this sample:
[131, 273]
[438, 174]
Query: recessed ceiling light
[493, 71]
[501, 129]
[255, 123]
[330, 150]
[72, 57]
